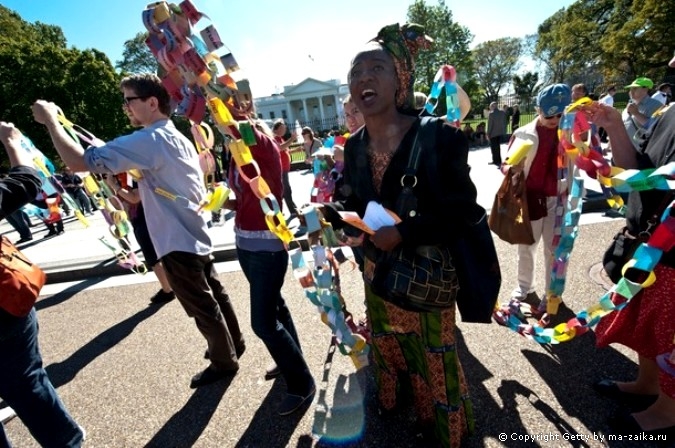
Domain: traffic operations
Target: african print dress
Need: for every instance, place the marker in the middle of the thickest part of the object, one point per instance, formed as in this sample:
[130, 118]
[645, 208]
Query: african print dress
[423, 347]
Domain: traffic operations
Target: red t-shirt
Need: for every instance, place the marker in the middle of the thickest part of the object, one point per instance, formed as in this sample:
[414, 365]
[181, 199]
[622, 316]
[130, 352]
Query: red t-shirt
[284, 155]
[542, 180]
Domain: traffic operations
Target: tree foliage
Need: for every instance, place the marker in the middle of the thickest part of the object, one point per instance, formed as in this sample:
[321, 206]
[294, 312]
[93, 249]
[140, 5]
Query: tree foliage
[525, 87]
[620, 39]
[35, 63]
[137, 57]
[451, 46]
[496, 62]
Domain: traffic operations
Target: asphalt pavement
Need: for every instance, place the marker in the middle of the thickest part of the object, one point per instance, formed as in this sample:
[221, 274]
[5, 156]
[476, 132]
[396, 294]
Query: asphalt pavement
[122, 366]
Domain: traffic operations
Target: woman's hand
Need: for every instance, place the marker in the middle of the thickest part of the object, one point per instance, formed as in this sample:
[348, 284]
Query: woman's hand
[386, 238]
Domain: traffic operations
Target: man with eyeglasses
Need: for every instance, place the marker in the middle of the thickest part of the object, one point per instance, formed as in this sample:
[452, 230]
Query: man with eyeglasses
[542, 185]
[168, 163]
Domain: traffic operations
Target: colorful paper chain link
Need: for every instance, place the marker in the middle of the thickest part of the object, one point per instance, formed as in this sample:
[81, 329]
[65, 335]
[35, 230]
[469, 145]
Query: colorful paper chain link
[116, 218]
[445, 79]
[198, 79]
[643, 261]
[514, 315]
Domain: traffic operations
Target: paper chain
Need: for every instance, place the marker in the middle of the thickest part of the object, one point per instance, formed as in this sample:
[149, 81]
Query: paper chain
[198, 79]
[445, 79]
[116, 218]
[514, 314]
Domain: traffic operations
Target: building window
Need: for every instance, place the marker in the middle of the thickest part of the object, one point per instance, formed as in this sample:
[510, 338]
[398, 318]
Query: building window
[284, 115]
[272, 116]
[260, 116]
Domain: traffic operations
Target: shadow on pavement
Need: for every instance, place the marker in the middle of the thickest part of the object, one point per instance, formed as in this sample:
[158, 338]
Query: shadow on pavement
[267, 428]
[185, 426]
[63, 372]
[570, 369]
[67, 293]
[485, 407]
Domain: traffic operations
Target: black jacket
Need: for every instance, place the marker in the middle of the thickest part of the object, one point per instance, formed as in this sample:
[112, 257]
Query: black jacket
[445, 193]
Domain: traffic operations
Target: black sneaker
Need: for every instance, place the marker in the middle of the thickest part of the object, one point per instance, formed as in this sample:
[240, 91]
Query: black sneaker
[163, 297]
[293, 402]
[24, 240]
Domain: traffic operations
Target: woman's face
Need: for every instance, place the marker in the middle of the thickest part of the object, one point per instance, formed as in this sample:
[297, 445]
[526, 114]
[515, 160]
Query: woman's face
[353, 117]
[373, 81]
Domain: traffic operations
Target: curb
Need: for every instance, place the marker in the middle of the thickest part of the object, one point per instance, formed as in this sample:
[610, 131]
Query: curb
[96, 267]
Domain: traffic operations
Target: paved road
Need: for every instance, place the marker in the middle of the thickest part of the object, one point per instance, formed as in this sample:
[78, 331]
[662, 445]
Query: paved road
[123, 367]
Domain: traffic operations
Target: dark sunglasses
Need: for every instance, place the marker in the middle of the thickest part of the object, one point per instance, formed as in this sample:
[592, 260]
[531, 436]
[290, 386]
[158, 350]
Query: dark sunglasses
[129, 99]
[551, 117]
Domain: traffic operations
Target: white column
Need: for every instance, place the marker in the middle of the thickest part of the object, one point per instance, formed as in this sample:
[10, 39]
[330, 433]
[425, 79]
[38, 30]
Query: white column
[304, 105]
[338, 106]
[321, 109]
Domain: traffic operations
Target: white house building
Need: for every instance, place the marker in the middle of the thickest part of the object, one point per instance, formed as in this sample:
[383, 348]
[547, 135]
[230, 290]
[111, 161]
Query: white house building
[313, 103]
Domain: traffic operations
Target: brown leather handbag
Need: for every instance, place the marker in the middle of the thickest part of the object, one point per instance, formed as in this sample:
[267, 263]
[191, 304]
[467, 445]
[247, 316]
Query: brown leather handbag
[20, 280]
[509, 218]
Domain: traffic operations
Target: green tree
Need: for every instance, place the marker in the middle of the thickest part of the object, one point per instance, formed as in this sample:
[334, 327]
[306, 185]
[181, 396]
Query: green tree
[35, 63]
[621, 39]
[137, 57]
[641, 41]
[496, 61]
[525, 86]
[451, 46]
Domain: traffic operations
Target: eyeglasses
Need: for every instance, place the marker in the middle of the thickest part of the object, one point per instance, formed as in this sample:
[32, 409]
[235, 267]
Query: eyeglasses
[551, 117]
[129, 99]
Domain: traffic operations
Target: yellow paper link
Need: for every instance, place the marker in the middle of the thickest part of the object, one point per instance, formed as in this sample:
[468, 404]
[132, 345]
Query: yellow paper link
[66, 123]
[242, 154]
[221, 114]
[649, 281]
[80, 217]
[520, 149]
[166, 194]
[215, 199]
[90, 185]
[552, 304]
[39, 163]
[580, 103]
[281, 230]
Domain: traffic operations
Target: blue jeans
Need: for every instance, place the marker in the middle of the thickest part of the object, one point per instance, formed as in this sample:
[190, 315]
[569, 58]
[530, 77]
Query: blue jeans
[270, 318]
[25, 387]
[19, 220]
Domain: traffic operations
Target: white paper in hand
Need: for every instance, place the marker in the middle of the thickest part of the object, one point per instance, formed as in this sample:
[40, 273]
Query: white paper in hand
[377, 216]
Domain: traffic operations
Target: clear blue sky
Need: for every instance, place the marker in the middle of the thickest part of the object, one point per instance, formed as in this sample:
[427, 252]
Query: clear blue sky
[279, 43]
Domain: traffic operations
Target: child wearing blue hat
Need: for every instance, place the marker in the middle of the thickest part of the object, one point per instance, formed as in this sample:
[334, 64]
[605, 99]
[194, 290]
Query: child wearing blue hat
[540, 166]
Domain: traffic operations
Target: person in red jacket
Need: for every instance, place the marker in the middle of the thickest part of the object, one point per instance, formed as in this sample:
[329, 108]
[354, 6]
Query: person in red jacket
[264, 261]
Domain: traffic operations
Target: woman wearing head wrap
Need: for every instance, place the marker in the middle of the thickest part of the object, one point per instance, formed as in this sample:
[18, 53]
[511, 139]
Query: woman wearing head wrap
[420, 345]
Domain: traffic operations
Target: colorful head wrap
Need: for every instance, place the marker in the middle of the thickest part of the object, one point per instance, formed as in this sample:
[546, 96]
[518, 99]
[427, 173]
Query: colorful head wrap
[403, 43]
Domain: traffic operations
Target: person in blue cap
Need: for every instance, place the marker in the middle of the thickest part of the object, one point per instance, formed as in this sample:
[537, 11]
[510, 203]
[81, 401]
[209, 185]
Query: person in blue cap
[540, 166]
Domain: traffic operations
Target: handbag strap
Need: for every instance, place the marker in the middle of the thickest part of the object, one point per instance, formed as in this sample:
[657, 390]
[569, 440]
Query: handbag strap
[416, 151]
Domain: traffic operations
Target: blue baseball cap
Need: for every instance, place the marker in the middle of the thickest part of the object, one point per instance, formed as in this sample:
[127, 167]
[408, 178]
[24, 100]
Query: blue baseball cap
[554, 99]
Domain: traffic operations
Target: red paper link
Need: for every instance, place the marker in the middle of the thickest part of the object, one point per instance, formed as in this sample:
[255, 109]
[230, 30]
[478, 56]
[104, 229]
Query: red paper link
[194, 62]
[663, 237]
[190, 11]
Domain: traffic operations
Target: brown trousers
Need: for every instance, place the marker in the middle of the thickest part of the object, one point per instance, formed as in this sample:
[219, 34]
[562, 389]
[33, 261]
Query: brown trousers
[195, 282]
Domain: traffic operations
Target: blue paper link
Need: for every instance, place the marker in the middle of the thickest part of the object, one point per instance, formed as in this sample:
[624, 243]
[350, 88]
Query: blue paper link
[646, 257]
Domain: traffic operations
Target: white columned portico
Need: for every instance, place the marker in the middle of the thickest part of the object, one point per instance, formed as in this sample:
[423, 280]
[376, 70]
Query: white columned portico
[320, 98]
[304, 109]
